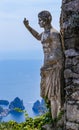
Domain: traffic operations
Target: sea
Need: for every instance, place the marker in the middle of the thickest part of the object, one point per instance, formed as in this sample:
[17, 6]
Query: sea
[20, 78]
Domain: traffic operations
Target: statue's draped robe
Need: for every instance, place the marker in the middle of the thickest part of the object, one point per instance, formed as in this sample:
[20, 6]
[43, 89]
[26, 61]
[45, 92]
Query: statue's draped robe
[51, 72]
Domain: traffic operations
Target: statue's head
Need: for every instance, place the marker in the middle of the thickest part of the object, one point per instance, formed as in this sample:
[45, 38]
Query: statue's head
[45, 18]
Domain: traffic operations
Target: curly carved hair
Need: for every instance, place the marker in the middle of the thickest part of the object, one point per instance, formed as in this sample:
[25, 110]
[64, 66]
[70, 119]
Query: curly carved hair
[46, 16]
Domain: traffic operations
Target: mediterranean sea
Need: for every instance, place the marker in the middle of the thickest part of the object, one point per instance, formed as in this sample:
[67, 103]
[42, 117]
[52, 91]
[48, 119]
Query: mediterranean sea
[20, 78]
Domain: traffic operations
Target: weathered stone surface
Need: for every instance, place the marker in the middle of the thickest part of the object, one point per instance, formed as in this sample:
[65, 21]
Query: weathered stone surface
[69, 74]
[72, 113]
[68, 62]
[72, 22]
[71, 89]
[71, 6]
[75, 60]
[51, 127]
[47, 127]
[75, 95]
[70, 38]
[71, 32]
[68, 81]
[76, 69]
[75, 81]
[72, 126]
[72, 102]
[72, 43]
[66, 1]
[71, 53]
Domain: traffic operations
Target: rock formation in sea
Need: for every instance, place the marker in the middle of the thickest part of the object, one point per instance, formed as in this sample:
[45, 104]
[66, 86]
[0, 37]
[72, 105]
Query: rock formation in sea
[17, 103]
[39, 107]
[4, 102]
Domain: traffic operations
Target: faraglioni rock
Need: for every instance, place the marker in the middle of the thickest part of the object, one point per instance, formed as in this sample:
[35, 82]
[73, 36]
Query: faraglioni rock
[17, 103]
[39, 107]
[36, 106]
[4, 102]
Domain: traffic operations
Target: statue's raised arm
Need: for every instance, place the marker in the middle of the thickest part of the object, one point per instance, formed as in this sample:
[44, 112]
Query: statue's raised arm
[31, 30]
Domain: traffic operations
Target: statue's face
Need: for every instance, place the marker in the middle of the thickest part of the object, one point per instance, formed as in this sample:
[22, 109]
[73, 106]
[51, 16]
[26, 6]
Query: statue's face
[41, 22]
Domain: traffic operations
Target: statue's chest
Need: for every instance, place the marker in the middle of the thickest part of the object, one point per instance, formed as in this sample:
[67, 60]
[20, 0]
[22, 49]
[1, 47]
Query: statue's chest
[45, 37]
[46, 42]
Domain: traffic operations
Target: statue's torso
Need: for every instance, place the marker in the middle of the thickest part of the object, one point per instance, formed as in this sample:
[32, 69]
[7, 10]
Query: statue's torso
[51, 45]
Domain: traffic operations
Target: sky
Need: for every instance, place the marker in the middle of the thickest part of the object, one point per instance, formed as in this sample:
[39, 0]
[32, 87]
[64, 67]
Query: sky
[15, 40]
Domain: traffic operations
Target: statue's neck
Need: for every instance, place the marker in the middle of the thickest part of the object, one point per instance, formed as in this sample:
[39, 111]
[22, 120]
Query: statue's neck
[47, 28]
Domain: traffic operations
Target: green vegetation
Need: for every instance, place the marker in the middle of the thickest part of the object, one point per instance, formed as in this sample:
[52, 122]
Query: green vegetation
[32, 123]
[29, 124]
[18, 110]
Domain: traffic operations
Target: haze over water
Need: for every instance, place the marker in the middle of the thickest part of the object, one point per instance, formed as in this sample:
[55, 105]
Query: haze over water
[20, 78]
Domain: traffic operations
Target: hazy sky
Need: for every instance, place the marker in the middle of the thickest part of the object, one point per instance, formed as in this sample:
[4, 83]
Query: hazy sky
[15, 41]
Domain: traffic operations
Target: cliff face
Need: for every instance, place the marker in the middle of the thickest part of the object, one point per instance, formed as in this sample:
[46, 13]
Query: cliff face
[69, 23]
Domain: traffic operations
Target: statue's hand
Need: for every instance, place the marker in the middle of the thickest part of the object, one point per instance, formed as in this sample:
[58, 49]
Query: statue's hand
[26, 22]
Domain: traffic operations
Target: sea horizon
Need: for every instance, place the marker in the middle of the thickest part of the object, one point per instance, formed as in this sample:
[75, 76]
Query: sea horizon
[20, 78]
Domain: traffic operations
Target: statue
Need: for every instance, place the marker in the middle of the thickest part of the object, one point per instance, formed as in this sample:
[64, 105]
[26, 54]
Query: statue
[53, 61]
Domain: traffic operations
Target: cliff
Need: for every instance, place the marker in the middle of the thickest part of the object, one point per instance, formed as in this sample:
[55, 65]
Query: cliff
[69, 23]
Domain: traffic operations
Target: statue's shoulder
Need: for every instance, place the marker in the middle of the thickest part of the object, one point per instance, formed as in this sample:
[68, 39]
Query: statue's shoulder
[55, 33]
